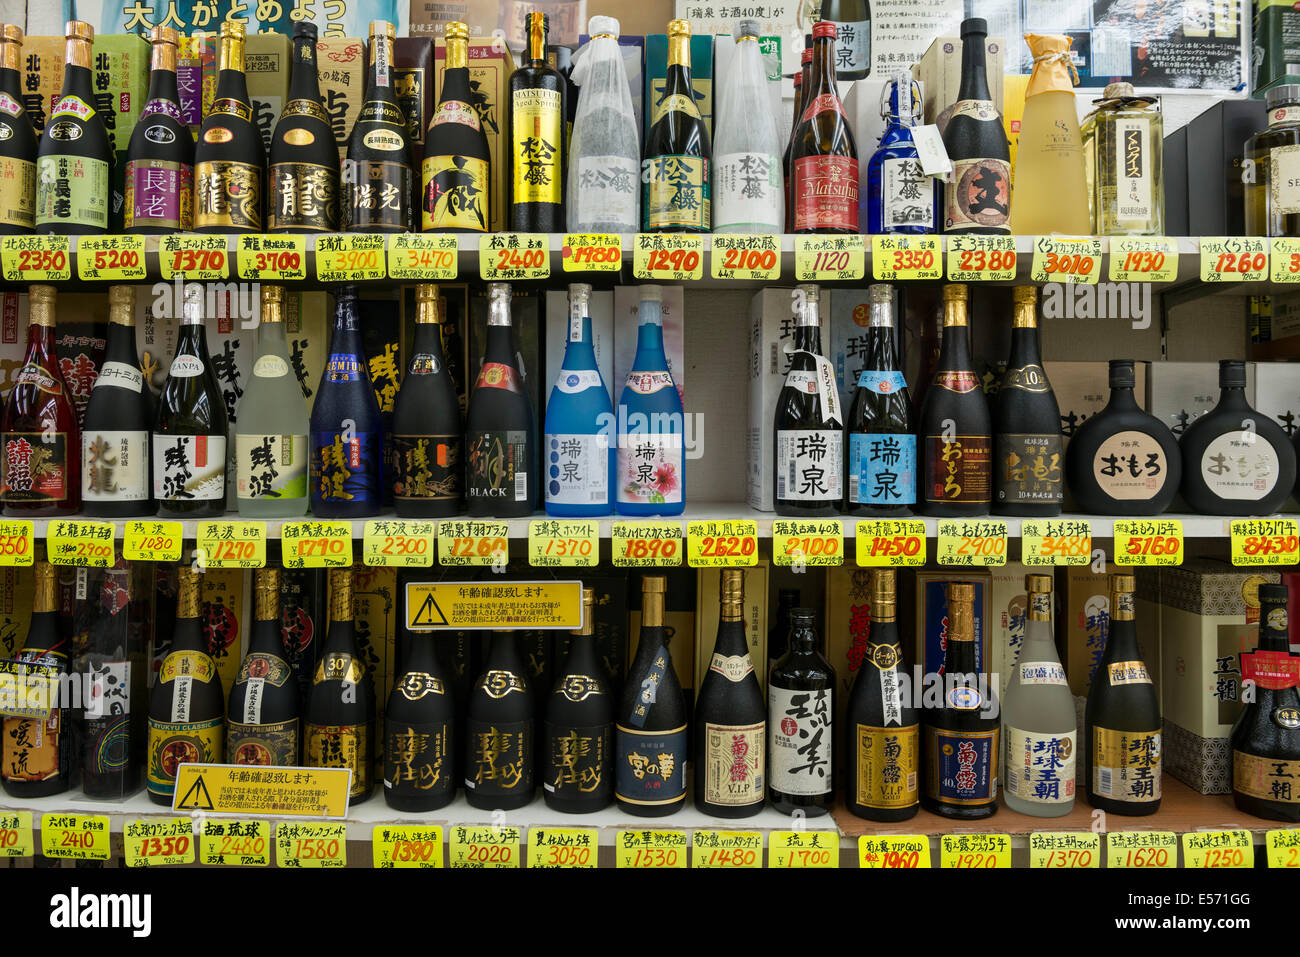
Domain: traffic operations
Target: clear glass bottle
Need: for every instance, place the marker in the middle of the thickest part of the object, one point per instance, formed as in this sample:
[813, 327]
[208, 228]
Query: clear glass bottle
[1271, 168]
[1123, 158]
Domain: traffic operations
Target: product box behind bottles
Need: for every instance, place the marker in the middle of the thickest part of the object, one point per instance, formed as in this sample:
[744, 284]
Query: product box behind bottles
[413, 85]
[931, 599]
[1179, 393]
[1014, 88]
[1277, 395]
[601, 309]
[656, 74]
[1277, 44]
[196, 77]
[1008, 614]
[303, 610]
[679, 616]
[1216, 142]
[1176, 185]
[267, 59]
[610, 626]
[1085, 624]
[771, 331]
[673, 314]
[847, 629]
[17, 590]
[633, 50]
[307, 331]
[846, 344]
[341, 62]
[381, 338]
[708, 613]
[225, 601]
[430, 17]
[374, 596]
[939, 71]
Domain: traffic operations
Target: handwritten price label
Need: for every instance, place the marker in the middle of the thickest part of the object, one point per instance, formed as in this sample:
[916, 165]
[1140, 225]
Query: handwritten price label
[429, 257]
[309, 844]
[745, 257]
[512, 257]
[803, 849]
[16, 834]
[1265, 541]
[82, 837]
[1141, 849]
[1284, 259]
[484, 847]
[193, 257]
[646, 544]
[591, 252]
[1064, 849]
[80, 542]
[650, 849]
[553, 543]
[829, 258]
[895, 258]
[972, 542]
[981, 258]
[890, 543]
[1143, 259]
[406, 845]
[1218, 849]
[231, 544]
[1072, 260]
[715, 544]
[264, 258]
[1056, 542]
[563, 847]
[347, 257]
[238, 843]
[154, 842]
[667, 257]
[1149, 542]
[975, 851]
[312, 544]
[35, 258]
[807, 543]
[1283, 847]
[726, 849]
[400, 543]
[906, 851]
[17, 543]
[1234, 258]
[473, 543]
[111, 258]
[150, 541]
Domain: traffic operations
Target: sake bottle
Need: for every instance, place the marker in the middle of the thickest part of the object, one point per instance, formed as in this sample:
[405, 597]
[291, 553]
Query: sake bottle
[419, 731]
[229, 158]
[18, 140]
[675, 195]
[455, 177]
[304, 171]
[264, 718]
[500, 732]
[377, 179]
[160, 157]
[746, 176]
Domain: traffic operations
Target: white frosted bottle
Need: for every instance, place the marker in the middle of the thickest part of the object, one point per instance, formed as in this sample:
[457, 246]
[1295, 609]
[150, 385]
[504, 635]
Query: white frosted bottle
[747, 178]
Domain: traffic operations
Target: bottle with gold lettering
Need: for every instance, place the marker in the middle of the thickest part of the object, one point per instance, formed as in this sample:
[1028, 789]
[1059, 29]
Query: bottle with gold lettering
[17, 140]
[419, 732]
[263, 714]
[580, 726]
[303, 193]
[378, 183]
[160, 157]
[535, 111]
[675, 172]
[455, 178]
[500, 733]
[229, 159]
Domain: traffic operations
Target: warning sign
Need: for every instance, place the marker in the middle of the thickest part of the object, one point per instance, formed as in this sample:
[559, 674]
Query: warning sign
[262, 791]
[456, 605]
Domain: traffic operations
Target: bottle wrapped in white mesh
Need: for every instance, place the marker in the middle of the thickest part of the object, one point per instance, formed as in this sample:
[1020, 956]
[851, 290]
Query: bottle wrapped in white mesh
[747, 183]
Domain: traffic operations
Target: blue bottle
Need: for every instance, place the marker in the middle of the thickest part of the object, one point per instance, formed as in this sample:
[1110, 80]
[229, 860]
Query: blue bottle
[900, 198]
[578, 455]
[347, 435]
[650, 477]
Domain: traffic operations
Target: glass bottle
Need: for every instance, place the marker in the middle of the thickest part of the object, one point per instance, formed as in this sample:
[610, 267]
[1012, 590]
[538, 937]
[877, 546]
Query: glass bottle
[800, 723]
[977, 198]
[675, 197]
[377, 180]
[1271, 167]
[17, 140]
[112, 668]
[580, 726]
[263, 715]
[1123, 157]
[160, 158]
[852, 20]
[824, 159]
[455, 178]
[229, 158]
[304, 168]
[801, 82]
[535, 108]
[500, 732]
[900, 198]
[419, 731]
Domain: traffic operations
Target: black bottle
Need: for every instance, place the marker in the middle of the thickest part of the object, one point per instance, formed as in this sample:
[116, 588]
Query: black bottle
[535, 113]
[264, 718]
[500, 733]
[303, 178]
[977, 198]
[800, 716]
[229, 158]
[579, 775]
[17, 140]
[456, 180]
[378, 182]
[675, 173]
[419, 731]
[160, 157]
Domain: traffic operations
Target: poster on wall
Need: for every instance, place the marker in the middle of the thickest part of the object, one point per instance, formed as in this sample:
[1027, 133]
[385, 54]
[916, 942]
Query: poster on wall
[333, 18]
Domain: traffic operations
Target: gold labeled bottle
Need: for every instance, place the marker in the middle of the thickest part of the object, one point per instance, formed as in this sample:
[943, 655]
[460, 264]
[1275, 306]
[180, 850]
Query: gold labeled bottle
[160, 158]
[229, 158]
[455, 176]
[17, 140]
[378, 182]
[419, 732]
[263, 714]
[500, 730]
[304, 171]
[535, 118]
[1123, 157]
[675, 174]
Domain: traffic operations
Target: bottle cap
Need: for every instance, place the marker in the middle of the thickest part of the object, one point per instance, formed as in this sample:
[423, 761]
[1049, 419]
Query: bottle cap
[121, 296]
[961, 592]
[654, 583]
[426, 292]
[79, 29]
[652, 294]
[529, 16]
[747, 30]
[973, 26]
[811, 291]
[1122, 583]
[603, 27]
[823, 29]
[165, 35]
[588, 625]
[499, 290]
[679, 28]
[1038, 584]
[880, 292]
[1121, 374]
[1117, 91]
[233, 28]
[1232, 374]
[732, 587]
[1283, 95]
[1024, 294]
[41, 293]
[955, 292]
[345, 292]
[13, 33]
[806, 56]
[304, 29]
[884, 581]
[272, 295]
[457, 30]
[802, 616]
[382, 28]
[579, 290]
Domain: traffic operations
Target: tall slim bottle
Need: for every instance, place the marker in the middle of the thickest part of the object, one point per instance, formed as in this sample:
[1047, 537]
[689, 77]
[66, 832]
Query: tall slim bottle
[824, 160]
[579, 775]
[160, 157]
[456, 182]
[112, 669]
[900, 197]
[419, 732]
[747, 181]
[800, 723]
[675, 198]
[304, 170]
[977, 198]
[229, 158]
[264, 713]
[501, 736]
[801, 83]
[535, 108]
[17, 140]
[378, 182]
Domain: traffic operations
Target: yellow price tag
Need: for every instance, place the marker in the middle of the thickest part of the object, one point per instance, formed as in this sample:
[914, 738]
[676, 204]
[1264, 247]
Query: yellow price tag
[17, 543]
[1054, 541]
[894, 258]
[890, 542]
[827, 258]
[80, 542]
[1265, 541]
[1283, 847]
[1218, 849]
[311, 844]
[483, 847]
[511, 257]
[720, 544]
[151, 541]
[158, 841]
[82, 837]
[1064, 849]
[975, 851]
[972, 542]
[745, 257]
[406, 845]
[348, 257]
[16, 834]
[646, 544]
[264, 258]
[652, 849]
[1149, 541]
[557, 847]
[111, 258]
[905, 851]
[1141, 849]
[1066, 259]
[422, 257]
[193, 257]
[1284, 260]
[35, 258]
[404, 543]
[223, 544]
[591, 252]
[668, 257]
[1143, 259]
[981, 258]
[555, 542]
[803, 849]
[473, 543]
[727, 849]
[806, 543]
[1234, 258]
[235, 843]
[312, 544]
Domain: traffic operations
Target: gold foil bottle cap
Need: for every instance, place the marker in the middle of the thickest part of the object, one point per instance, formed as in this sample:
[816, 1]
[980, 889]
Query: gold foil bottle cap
[266, 590]
[165, 35]
[272, 295]
[121, 296]
[1024, 294]
[456, 30]
[382, 29]
[654, 583]
[679, 28]
[79, 29]
[961, 611]
[588, 612]
[961, 592]
[1115, 91]
[955, 292]
[1037, 584]
[44, 294]
[426, 292]
[341, 608]
[13, 33]
[733, 584]
[884, 581]
[47, 581]
[1122, 583]
[233, 28]
[187, 592]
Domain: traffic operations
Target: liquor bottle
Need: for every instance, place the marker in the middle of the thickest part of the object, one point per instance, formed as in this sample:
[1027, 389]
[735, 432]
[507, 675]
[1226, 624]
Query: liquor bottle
[882, 746]
[39, 750]
[75, 158]
[1266, 735]
[955, 432]
[824, 159]
[730, 717]
[650, 724]
[304, 172]
[801, 82]
[801, 709]
[427, 448]
[852, 20]
[901, 198]
[1051, 186]
[1039, 730]
[263, 715]
[880, 454]
[112, 670]
[778, 635]
[1029, 478]
[189, 434]
[977, 198]
[604, 189]
[808, 455]
[347, 437]
[564, 66]
[580, 459]
[535, 106]
[747, 180]
[580, 726]
[187, 706]
[419, 728]
[160, 157]
[675, 198]
[378, 181]
[1123, 461]
[271, 428]
[651, 469]
[1122, 719]
[456, 182]
[1123, 157]
[229, 159]
[499, 732]
[500, 434]
[340, 726]
[1237, 461]
[1273, 187]
[17, 140]
[40, 471]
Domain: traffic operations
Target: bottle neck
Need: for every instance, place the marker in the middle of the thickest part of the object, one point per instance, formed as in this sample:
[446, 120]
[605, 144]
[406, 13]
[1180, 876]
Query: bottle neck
[536, 41]
[960, 657]
[504, 652]
[1121, 397]
[162, 75]
[803, 640]
[428, 341]
[347, 321]
[120, 343]
[1121, 636]
[380, 76]
[822, 70]
[457, 53]
[678, 77]
[579, 322]
[807, 330]
[423, 655]
[1232, 397]
[1024, 347]
[954, 353]
[77, 82]
[11, 58]
[305, 84]
[649, 335]
[731, 641]
[974, 79]
[582, 658]
[1273, 632]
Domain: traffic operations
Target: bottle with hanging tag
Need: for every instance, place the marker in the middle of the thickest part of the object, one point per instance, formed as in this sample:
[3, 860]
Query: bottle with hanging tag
[901, 198]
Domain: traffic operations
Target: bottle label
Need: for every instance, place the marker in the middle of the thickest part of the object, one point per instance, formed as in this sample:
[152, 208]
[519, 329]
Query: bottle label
[1042, 673]
[822, 103]
[186, 664]
[650, 469]
[1284, 180]
[852, 45]
[578, 758]
[424, 363]
[271, 466]
[229, 106]
[907, 194]
[799, 740]
[748, 190]
[1239, 465]
[341, 746]
[161, 106]
[571, 383]
[1133, 173]
[811, 461]
[1031, 468]
[1274, 670]
[415, 685]
[826, 193]
[455, 111]
[346, 465]
[882, 468]
[499, 375]
[885, 658]
[649, 691]
[735, 668]
[189, 467]
[427, 467]
[304, 106]
[71, 190]
[888, 382]
[17, 192]
[265, 668]
[961, 766]
[1040, 767]
[339, 667]
[173, 743]
[677, 193]
[159, 193]
[417, 757]
[273, 745]
[578, 688]
[733, 762]
[648, 383]
[72, 106]
[32, 748]
[121, 375]
[607, 190]
[34, 467]
[114, 465]
[185, 366]
[538, 139]
[270, 367]
[960, 381]
[1123, 673]
[978, 190]
[110, 689]
[498, 683]
[1268, 779]
[376, 194]
[650, 766]
[343, 367]
[1130, 466]
[889, 760]
[9, 105]
[228, 194]
[1126, 765]
[500, 758]
[109, 744]
[675, 103]
[498, 465]
[455, 193]
[303, 196]
[577, 469]
[1030, 378]
[377, 111]
[959, 471]
[32, 374]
